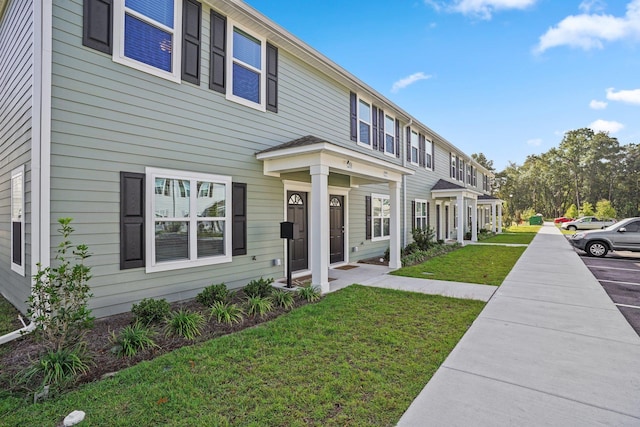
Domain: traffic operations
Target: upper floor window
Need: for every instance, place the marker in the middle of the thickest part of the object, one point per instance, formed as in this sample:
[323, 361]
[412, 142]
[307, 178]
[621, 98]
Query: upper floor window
[146, 36]
[246, 68]
[454, 162]
[428, 154]
[17, 220]
[415, 147]
[364, 122]
[389, 135]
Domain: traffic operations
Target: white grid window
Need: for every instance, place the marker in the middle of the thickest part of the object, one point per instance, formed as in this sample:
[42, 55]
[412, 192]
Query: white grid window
[381, 216]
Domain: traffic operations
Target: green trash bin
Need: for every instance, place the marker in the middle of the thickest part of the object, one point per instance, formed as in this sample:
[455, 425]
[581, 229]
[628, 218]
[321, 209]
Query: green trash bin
[535, 220]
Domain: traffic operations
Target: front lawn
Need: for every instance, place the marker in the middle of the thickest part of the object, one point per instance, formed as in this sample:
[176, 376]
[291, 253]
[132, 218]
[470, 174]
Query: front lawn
[522, 238]
[8, 317]
[357, 357]
[487, 265]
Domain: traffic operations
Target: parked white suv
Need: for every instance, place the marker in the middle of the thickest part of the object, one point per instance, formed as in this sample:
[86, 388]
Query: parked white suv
[588, 223]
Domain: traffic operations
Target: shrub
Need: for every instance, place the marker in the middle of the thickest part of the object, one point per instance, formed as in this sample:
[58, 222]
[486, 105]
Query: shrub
[151, 310]
[424, 238]
[309, 293]
[212, 294]
[260, 287]
[282, 298]
[258, 305]
[131, 339]
[59, 366]
[227, 313]
[186, 323]
[421, 256]
[59, 301]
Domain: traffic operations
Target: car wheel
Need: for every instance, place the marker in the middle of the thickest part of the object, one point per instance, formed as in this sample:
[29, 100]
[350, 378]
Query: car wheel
[572, 228]
[598, 249]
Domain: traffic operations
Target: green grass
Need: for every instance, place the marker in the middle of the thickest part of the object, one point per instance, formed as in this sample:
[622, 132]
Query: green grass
[8, 317]
[487, 265]
[522, 229]
[511, 238]
[358, 357]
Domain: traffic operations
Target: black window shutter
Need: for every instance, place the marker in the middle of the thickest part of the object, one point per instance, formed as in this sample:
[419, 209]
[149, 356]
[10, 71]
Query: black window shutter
[374, 123]
[408, 144]
[239, 214]
[367, 223]
[191, 18]
[421, 150]
[397, 147]
[272, 78]
[217, 79]
[413, 215]
[428, 216]
[353, 108]
[433, 154]
[381, 138]
[131, 220]
[450, 167]
[97, 25]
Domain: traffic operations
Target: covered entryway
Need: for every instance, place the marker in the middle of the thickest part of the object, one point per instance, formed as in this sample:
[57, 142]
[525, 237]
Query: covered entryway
[336, 229]
[297, 213]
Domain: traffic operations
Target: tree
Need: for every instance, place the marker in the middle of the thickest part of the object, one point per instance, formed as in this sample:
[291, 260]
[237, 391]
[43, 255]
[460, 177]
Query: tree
[587, 209]
[572, 212]
[605, 210]
[483, 161]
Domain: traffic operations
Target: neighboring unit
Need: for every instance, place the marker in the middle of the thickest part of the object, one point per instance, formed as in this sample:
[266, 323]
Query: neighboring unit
[621, 236]
[178, 134]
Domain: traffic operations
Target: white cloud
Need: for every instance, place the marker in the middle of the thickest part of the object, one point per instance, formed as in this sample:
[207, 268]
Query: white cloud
[598, 105]
[588, 6]
[589, 31]
[402, 83]
[628, 96]
[536, 142]
[606, 126]
[482, 9]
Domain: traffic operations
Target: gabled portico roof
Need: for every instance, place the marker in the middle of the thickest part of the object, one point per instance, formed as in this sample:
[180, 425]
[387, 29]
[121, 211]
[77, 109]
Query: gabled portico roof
[302, 153]
[447, 189]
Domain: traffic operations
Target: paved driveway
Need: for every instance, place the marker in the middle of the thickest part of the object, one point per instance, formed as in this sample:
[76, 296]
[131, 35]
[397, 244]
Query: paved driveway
[619, 275]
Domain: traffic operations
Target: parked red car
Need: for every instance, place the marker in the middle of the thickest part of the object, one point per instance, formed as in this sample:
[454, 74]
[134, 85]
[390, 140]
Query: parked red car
[562, 219]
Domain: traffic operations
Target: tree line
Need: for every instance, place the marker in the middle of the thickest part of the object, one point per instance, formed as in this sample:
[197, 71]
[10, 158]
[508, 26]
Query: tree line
[588, 169]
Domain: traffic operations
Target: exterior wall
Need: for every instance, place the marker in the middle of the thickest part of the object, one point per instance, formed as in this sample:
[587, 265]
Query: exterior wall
[16, 85]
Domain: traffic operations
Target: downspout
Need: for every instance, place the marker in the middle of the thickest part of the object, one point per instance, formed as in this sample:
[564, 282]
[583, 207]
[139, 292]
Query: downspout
[405, 236]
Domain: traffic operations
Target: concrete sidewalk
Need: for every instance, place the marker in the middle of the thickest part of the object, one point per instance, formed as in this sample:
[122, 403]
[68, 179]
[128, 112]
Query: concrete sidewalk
[549, 349]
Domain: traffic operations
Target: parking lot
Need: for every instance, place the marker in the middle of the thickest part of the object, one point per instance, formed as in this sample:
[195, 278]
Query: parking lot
[619, 275]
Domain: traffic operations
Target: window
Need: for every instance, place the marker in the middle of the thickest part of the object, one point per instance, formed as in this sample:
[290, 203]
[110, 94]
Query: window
[246, 68]
[188, 219]
[454, 162]
[415, 147]
[469, 172]
[389, 135]
[146, 36]
[17, 220]
[364, 122]
[461, 170]
[381, 216]
[422, 214]
[428, 154]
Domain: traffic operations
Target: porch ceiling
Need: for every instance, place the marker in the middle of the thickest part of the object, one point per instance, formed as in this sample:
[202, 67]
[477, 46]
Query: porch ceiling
[302, 153]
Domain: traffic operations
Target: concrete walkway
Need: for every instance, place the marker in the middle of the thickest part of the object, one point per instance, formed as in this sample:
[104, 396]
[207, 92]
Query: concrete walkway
[549, 349]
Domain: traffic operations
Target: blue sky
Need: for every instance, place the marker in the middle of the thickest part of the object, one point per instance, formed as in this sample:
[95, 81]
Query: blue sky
[502, 77]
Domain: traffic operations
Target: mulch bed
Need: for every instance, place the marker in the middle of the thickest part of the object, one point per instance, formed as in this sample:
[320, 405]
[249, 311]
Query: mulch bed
[17, 355]
[374, 261]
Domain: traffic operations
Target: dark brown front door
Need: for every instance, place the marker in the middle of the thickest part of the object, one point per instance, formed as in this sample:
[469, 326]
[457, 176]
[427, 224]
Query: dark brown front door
[297, 213]
[336, 229]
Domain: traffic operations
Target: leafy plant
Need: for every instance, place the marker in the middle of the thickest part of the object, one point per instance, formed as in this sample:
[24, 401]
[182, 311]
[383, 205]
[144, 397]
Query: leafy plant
[282, 298]
[185, 323]
[151, 310]
[424, 238]
[59, 300]
[309, 293]
[226, 313]
[212, 294]
[258, 305]
[59, 366]
[131, 339]
[259, 287]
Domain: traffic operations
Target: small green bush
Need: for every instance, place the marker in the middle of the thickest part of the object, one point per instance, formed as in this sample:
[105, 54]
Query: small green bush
[424, 238]
[131, 339]
[188, 324]
[260, 287]
[309, 293]
[227, 313]
[258, 305]
[212, 294]
[59, 367]
[418, 257]
[151, 310]
[282, 298]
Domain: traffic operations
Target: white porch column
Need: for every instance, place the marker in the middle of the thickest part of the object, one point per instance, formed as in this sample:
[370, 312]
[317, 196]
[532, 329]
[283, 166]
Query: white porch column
[474, 220]
[320, 227]
[394, 226]
[461, 218]
[494, 218]
[500, 218]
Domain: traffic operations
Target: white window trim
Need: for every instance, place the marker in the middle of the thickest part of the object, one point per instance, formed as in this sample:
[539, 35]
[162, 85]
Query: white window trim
[369, 122]
[426, 211]
[176, 32]
[381, 238]
[392, 133]
[262, 105]
[151, 264]
[417, 147]
[18, 172]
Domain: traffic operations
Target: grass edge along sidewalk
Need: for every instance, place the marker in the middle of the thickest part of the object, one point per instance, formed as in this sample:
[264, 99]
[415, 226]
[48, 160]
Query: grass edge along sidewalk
[358, 357]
